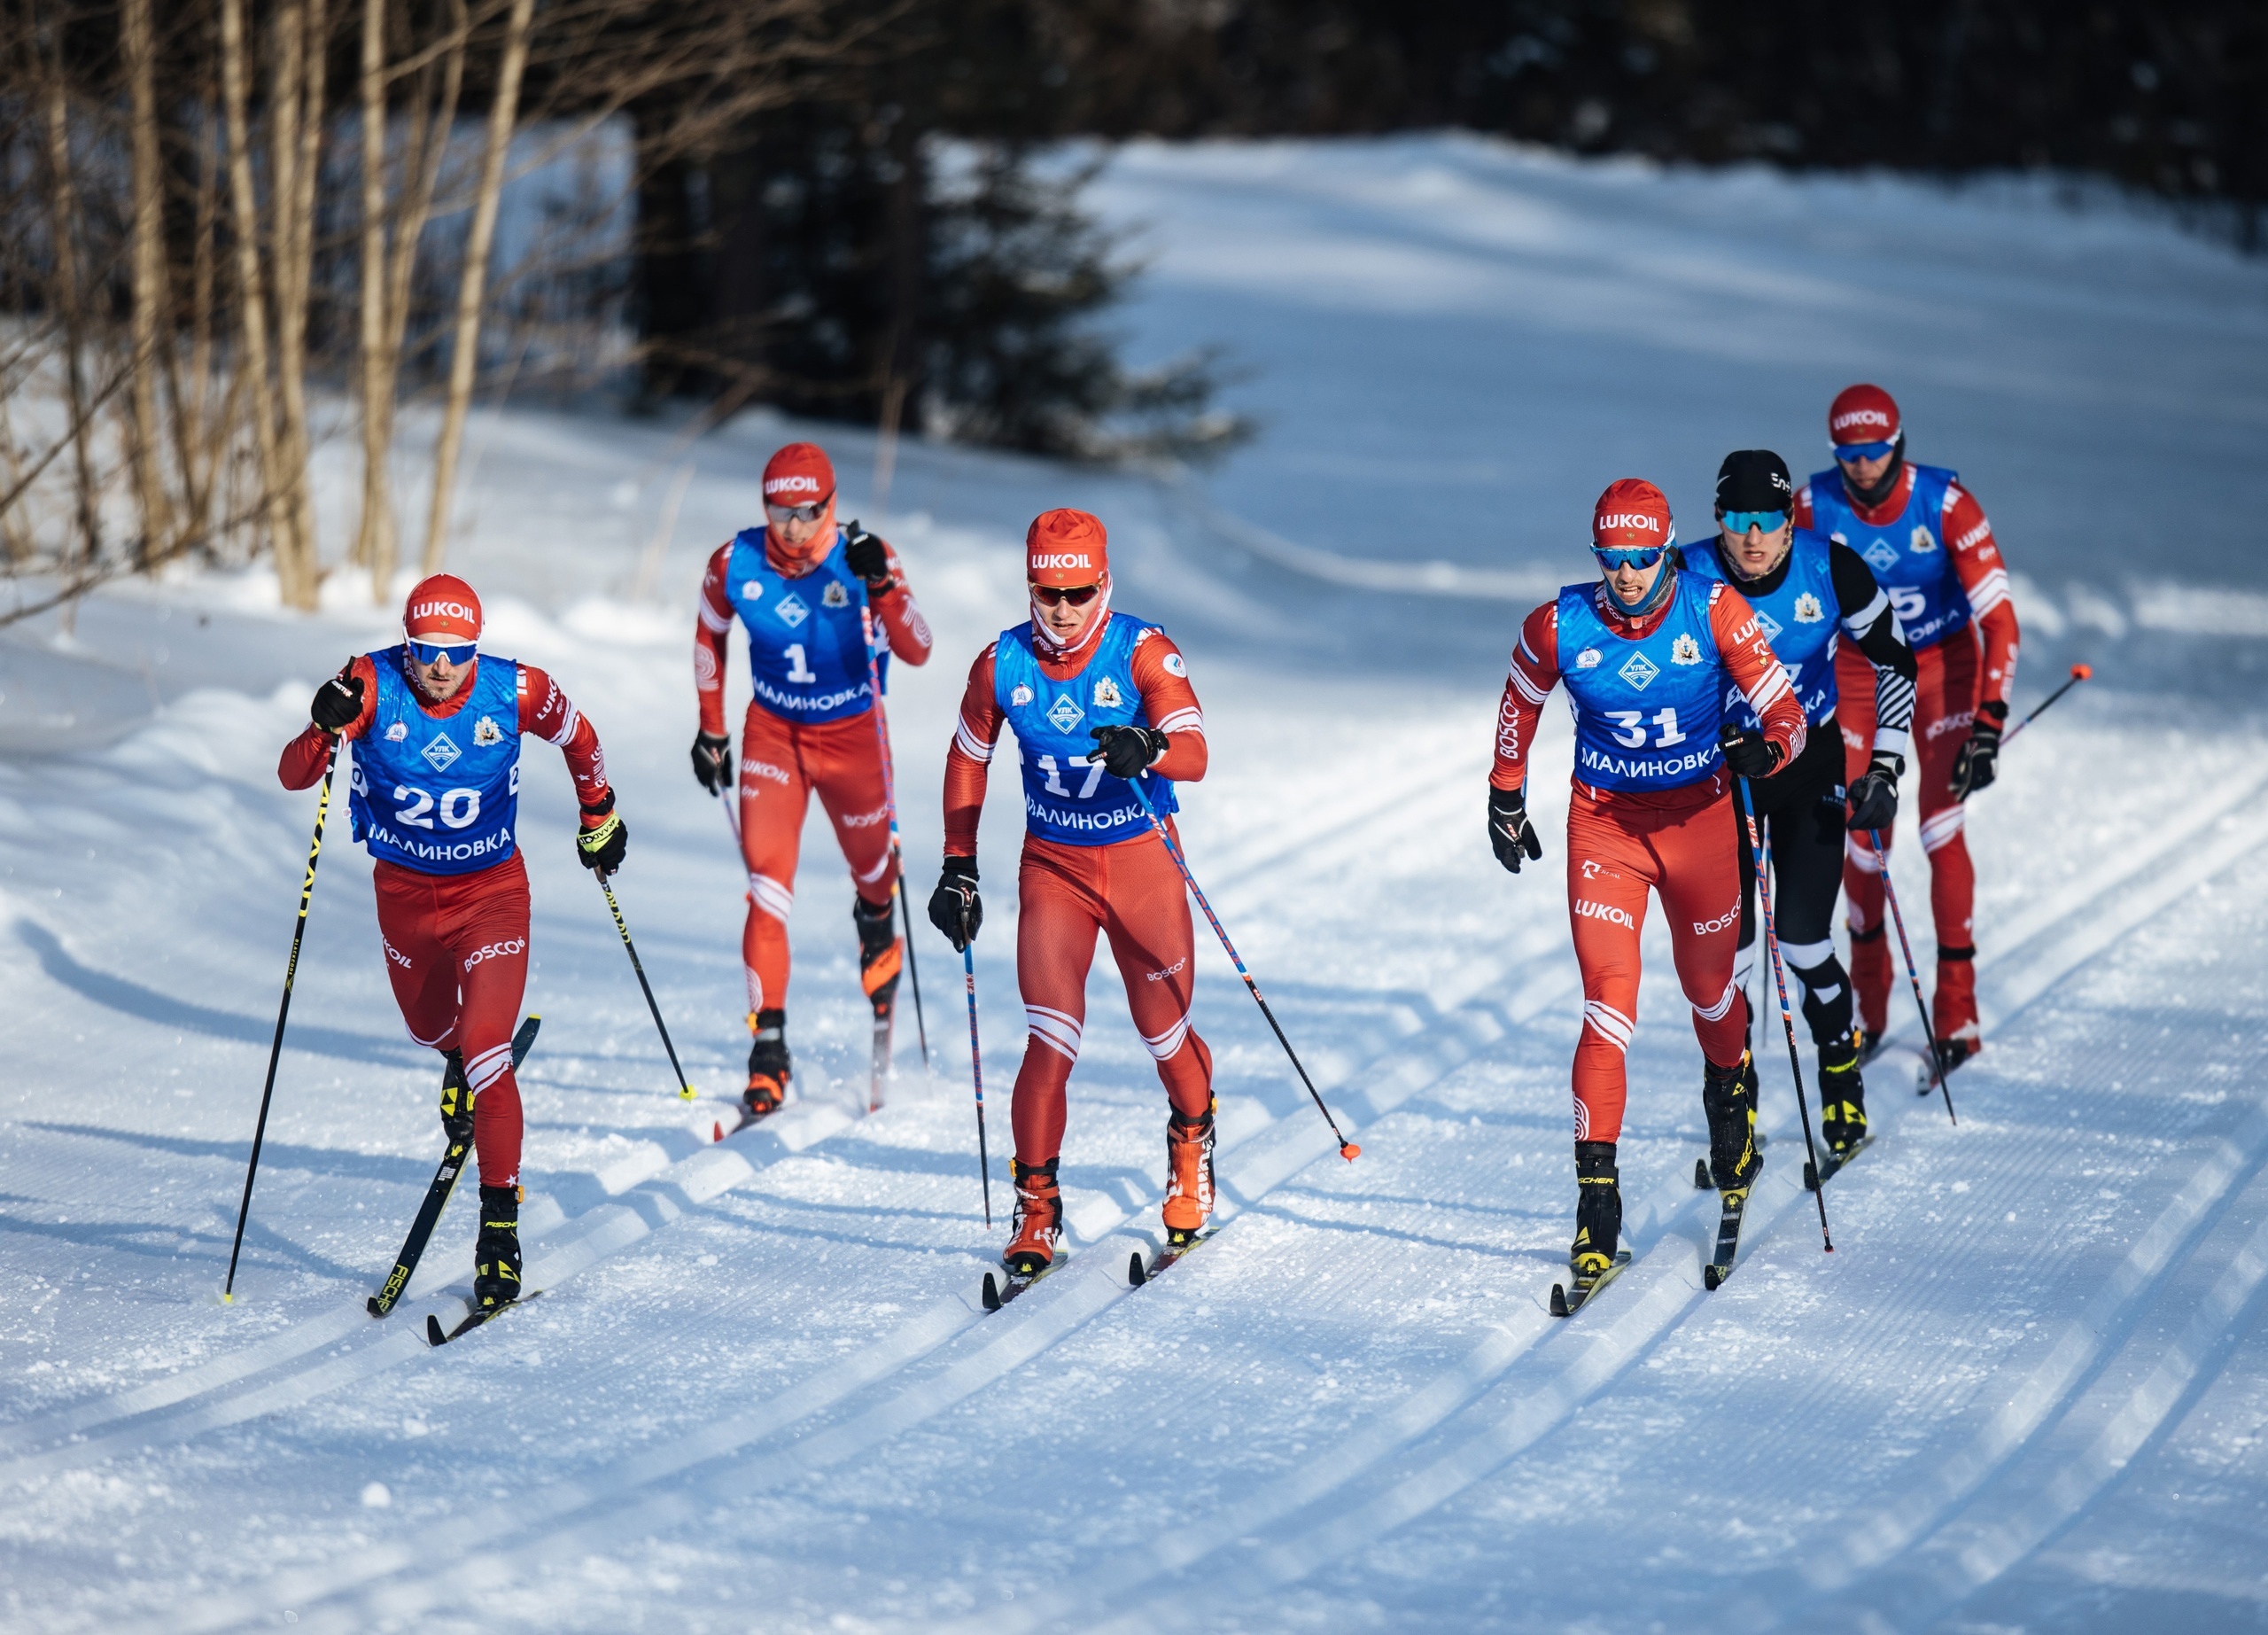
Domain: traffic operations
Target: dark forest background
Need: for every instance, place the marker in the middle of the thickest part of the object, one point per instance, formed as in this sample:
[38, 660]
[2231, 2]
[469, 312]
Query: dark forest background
[824, 251]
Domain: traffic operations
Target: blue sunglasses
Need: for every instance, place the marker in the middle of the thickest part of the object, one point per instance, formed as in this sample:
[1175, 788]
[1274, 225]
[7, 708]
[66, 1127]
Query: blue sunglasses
[1741, 522]
[458, 654]
[1632, 556]
[1864, 451]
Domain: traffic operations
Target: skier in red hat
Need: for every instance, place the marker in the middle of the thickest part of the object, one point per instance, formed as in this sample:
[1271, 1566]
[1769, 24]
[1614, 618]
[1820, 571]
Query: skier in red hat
[1648, 652]
[1929, 546]
[1096, 698]
[806, 590]
[434, 795]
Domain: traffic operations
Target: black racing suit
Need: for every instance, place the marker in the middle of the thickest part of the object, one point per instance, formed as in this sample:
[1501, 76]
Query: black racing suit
[1800, 809]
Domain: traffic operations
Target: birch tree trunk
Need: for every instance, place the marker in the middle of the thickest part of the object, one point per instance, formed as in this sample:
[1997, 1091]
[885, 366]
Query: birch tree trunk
[296, 587]
[150, 318]
[470, 289]
[65, 198]
[294, 103]
[374, 542]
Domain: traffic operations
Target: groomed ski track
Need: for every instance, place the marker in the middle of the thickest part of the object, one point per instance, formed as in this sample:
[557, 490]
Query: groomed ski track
[2025, 1392]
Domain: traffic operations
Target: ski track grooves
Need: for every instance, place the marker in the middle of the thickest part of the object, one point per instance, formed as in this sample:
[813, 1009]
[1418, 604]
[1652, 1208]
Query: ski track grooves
[1298, 1533]
[100, 1427]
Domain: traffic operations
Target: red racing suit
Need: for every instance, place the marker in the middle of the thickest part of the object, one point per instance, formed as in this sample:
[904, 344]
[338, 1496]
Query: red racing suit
[456, 945]
[784, 762]
[1129, 891]
[1975, 665]
[1678, 842]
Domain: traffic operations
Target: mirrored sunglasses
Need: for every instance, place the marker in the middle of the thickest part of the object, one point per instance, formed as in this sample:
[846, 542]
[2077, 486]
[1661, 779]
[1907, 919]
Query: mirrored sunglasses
[1847, 452]
[1631, 556]
[809, 512]
[1741, 522]
[1079, 596]
[458, 653]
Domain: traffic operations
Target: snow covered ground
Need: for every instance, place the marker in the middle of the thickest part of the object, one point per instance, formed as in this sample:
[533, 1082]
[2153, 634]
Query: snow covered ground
[2027, 1391]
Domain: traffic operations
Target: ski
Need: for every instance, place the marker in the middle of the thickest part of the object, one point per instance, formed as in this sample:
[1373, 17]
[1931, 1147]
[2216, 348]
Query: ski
[437, 1195]
[1002, 1285]
[885, 1019]
[1719, 1269]
[1140, 1272]
[436, 1336]
[1567, 1302]
[1832, 1164]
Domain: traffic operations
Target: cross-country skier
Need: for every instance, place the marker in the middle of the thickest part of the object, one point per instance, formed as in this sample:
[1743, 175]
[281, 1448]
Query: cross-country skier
[1928, 542]
[801, 586]
[436, 726]
[1096, 698]
[1648, 653]
[1805, 588]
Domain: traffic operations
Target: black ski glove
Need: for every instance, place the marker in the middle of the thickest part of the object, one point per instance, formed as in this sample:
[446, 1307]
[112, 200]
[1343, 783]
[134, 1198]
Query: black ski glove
[1510, 833]
[1749, 753]
[601, 846]
[1979, 763]
[712, 761]
[955, 908]
[338, 702]
[1874, 798]
[867, 556]
[1127, 751]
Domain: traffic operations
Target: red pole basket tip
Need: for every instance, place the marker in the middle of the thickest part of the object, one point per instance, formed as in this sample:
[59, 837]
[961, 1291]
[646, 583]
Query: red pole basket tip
[2082, 672]
[1350, 1152]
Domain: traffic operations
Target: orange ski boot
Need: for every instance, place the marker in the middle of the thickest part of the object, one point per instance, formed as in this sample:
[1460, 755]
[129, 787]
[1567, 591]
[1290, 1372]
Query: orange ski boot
[1189, 1176]
[1038, 1222]
[769, 1069]
[881, 954]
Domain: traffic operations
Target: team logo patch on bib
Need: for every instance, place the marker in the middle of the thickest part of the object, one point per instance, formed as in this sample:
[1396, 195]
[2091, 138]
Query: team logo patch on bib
[753, 591]
[488, 732]
[1638, 670]
[1808, 611]
[1881, 556]
[1686, 651]
[1066, 713]
[791, 610]
[1920, 543]
[836, 596]
[1765, 622]
[1588, 658]
[1107, 696]
[396, 733]
[1022, 696]
[442, 754]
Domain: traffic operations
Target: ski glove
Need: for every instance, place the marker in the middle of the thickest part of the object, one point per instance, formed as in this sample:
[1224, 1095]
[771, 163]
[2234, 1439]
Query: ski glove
[712, 761]
[338, 702]
[1126, 752]
[955, 908]
[1509, 832]
[605, 837]
[867, 556]
[1749, 753]
[1979, 763]
[1874, 798]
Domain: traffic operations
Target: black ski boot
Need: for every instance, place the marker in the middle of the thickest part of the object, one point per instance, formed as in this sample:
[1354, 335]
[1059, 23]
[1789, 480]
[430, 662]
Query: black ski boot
[456, 1102]
[1728, 1097]
[880, 956]
[1842, 1095]
[496, 1258]
[768, 1067]
[1598, 1212]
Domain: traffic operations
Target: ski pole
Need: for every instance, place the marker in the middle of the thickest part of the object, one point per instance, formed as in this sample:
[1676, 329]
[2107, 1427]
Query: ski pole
[1787, 1015]
[889, 795]
[1347, 1149]
[2079, 672]
[684, 1086]
[1912, 975]
[275, 1050]
[977, 1063]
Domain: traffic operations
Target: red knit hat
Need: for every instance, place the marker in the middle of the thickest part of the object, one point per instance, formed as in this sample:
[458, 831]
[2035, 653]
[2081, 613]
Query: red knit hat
[1632, 514]
[442, 609]
[1862, 413]
[1066, 549]
[800, 474]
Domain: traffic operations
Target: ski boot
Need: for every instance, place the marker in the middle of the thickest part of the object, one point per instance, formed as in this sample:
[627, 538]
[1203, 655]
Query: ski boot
[1038, 1221]
[496, 1257]
[1728, 1098]
[456, 1102]
[1189, 1176]
[881, 952]
[1599, 1213]
[769, 1069]
[1842, 1095]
